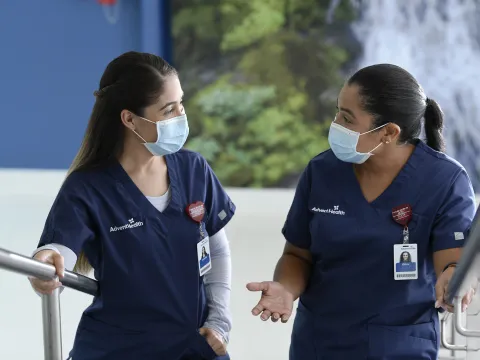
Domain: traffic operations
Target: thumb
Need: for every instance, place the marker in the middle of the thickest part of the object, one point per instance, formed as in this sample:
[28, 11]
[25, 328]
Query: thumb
[257, 286]
[58, 262]
[202, 331]
[439, 294]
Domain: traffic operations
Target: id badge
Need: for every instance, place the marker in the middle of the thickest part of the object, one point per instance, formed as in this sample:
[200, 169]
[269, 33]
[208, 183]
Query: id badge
[204, 258]
[405, 262]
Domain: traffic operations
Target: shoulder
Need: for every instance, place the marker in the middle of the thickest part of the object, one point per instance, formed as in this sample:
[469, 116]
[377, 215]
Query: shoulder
[445, 168]
[324, 164]
[188, 162]
[83, 182]
[325, 158]
[189, 157]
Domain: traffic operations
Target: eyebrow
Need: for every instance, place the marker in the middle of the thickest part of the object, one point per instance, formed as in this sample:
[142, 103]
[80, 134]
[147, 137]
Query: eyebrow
[348, 111]
[171, 103]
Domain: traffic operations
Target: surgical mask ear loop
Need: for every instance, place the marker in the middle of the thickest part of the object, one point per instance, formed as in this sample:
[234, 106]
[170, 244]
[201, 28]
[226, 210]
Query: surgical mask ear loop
[375, 148]
[381, 142]
[150, 121]
[377, 128]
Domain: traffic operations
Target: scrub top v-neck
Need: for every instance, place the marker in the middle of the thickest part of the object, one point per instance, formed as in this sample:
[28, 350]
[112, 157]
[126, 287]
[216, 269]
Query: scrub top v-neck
[152, 298]
[353, 307]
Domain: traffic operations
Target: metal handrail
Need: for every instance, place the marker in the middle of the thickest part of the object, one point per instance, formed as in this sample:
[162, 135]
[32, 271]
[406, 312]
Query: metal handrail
[443, 334]
[461, 329]
[52, 332]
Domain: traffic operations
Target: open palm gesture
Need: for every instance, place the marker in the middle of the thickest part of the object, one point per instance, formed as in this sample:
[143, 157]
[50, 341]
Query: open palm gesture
[276, 301]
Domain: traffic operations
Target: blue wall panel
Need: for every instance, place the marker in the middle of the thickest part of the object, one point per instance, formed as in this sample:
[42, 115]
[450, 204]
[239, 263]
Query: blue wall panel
[52, 55]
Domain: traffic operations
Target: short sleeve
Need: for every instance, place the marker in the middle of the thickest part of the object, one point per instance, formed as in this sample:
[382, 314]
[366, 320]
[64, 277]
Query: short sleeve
[455, 216]
[220, 208]
[68, 222]
[296, 229]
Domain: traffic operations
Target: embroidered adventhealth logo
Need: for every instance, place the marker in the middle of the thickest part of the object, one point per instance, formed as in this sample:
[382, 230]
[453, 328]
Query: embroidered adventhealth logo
[335, 211]
[131, 224]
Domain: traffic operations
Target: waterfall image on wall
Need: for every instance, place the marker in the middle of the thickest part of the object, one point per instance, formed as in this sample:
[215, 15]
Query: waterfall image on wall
[438, 41]
[261, 77]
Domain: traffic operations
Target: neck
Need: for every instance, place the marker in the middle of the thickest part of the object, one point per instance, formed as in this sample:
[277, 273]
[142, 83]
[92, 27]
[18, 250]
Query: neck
[136, 159]
[389, 161]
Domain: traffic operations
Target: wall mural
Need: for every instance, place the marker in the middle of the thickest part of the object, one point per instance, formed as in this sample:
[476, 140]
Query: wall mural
[261, 77]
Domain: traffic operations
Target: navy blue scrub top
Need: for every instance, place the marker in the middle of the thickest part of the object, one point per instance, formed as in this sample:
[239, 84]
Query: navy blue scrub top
[152, 299]
[352, 307]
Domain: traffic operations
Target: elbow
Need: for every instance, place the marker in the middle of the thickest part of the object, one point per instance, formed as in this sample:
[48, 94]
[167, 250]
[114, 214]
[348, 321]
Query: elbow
[293, 251]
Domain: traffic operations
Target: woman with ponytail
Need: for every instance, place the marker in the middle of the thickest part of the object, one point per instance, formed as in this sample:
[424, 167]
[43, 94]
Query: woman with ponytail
[378, 192]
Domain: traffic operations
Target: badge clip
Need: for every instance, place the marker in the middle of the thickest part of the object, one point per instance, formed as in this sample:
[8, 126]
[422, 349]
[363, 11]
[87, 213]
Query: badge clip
[403, 215]
[196, 212]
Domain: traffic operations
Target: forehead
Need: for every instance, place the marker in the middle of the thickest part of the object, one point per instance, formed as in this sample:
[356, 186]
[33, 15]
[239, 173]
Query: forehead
[349, 98]
[172, 90]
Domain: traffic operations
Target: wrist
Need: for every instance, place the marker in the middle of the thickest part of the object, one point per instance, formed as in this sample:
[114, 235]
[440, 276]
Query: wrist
[218, 329]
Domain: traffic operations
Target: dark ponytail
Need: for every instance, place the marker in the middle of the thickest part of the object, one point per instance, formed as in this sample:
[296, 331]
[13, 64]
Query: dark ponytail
[434, 126]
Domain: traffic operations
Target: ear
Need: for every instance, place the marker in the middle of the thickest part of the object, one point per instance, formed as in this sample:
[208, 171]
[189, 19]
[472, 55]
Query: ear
[392, 132]
[127, 119]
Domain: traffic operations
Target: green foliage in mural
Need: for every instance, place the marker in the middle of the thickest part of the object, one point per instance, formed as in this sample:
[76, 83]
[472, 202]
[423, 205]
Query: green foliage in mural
[258, 77]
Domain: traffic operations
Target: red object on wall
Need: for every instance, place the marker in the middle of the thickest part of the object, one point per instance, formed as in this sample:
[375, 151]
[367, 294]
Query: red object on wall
[107, 2]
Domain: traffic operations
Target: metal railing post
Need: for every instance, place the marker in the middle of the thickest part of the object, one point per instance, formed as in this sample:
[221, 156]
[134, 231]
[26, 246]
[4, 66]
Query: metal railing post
[450, 346]
[461, 329]
[52, 326]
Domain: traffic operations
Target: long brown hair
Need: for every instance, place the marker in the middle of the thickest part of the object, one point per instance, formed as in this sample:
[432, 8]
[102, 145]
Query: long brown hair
[132, 81]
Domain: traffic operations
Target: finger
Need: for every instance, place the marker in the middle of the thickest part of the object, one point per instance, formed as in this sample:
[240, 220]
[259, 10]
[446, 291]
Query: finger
[266, 315]
[257, 286]
[44, 256]
[467, 299]
[215, 343]
[285, 318]
[275, 317]
[258, 309]
[58, 262]
[439, 293]
[218, 347]
[446, 296]
[222, 351]
[449, 308]
[203, 331]
[45, 287]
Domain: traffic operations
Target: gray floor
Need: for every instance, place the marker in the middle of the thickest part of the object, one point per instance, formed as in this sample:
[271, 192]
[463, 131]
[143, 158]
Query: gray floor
[256, 243]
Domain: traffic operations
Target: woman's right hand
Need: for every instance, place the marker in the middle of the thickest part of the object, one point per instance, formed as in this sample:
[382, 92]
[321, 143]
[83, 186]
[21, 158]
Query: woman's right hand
[49, 257]
[276, 301]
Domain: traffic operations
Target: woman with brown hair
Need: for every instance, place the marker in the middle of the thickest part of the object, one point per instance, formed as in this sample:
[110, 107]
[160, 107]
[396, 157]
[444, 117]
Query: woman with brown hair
[139, 209]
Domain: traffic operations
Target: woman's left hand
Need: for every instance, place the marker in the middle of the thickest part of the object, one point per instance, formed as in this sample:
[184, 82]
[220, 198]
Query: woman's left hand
[441, 290]
[215, 340]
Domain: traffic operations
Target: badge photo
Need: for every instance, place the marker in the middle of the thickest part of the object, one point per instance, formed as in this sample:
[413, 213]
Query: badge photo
[204, 258]
[405, 262]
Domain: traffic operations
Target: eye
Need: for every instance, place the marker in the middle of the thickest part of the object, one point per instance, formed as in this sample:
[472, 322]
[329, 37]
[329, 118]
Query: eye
[169, 111]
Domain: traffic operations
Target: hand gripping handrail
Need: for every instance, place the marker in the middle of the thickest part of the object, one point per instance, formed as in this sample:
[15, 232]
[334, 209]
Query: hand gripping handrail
[52, 333]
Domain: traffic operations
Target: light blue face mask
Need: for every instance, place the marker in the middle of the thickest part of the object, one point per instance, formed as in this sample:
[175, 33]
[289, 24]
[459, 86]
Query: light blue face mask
[171, 135]
[343, 143]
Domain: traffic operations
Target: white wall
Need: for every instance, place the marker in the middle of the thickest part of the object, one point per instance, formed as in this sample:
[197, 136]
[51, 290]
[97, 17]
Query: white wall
[256, 242]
